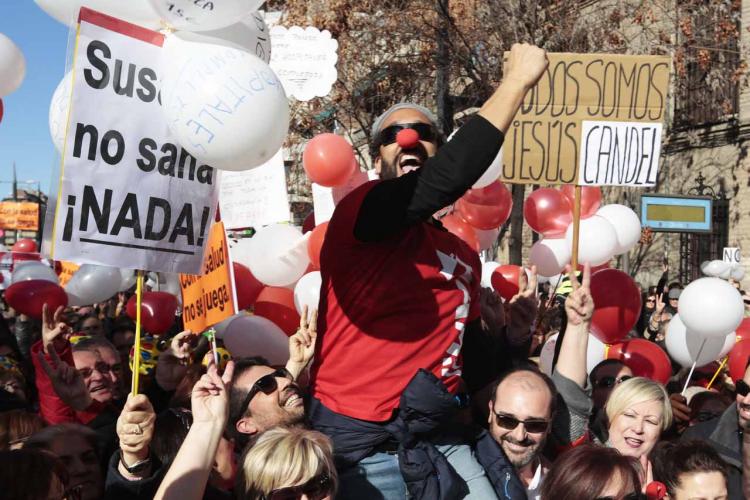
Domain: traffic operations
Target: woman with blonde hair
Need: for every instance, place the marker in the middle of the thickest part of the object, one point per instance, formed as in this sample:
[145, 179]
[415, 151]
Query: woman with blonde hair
[288, 464]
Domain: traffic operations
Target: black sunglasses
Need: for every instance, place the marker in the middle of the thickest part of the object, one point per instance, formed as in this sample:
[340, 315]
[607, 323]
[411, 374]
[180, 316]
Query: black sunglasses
[425, 131]
[609, 382]
[509, 422]
[266, 384]
[741, 388]
[315, 489]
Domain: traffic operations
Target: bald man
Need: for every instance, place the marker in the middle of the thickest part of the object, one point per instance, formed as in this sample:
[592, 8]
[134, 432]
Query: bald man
[521, 411]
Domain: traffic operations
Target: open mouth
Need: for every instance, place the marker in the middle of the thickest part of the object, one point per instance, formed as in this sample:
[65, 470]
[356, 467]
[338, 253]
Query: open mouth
[409, 161]
[292, 399]
[633, 442]
[99, 388]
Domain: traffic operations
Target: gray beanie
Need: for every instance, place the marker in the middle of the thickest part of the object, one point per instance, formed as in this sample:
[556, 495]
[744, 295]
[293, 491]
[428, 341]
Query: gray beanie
[378, 125]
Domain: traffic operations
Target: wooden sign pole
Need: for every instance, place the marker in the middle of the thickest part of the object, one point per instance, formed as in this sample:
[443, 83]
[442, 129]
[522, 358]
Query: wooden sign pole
[576, 228]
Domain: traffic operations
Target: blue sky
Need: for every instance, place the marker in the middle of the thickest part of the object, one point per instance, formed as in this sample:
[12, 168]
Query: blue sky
[24, 132]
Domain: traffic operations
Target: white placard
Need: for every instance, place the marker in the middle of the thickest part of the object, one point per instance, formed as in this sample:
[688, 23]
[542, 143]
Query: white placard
[619, 153]
[255, 197]
[732, 255]
[129, 196]
[304, 60]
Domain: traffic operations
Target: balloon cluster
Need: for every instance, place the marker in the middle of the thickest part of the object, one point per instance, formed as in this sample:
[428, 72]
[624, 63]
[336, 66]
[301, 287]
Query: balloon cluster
[232, 39]
[723, 270]
[605, 231]
[12, 68]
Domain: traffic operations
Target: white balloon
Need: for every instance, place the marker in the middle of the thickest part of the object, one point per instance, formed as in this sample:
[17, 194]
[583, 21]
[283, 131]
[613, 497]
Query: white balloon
[711, 307]
[715, 268]
[738, 272]
[728, 345]
[487, 269]
[686, 347]
[276, 255]
[221, 327]
[128, 279]
[251, 35]
[595, 351]
[486, 237]
[33, 270]
[307, 292]
[91, 284]
[58, 111]
[492, 173]
[225, 106]
[134, 11]
[247, 336]
[12, 66]
[726, 273]
[550, 255]
[626, 223]
[597, 240]
[594, 354]
[201, 15]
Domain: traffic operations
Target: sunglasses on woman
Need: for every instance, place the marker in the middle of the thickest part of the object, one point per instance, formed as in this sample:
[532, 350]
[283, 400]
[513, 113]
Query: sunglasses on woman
[425, 131]
[315, 489]
[532, 426]
[266, 384]
[741, 388]
[609, 382]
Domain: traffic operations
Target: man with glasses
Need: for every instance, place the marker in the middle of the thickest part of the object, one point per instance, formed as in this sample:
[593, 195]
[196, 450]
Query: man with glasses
[521, 410]
[398, 294]
[725, 434]
[261, 397]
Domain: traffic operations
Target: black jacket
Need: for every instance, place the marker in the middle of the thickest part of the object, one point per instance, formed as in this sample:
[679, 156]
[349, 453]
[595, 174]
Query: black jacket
[724, 435]
[426, 408]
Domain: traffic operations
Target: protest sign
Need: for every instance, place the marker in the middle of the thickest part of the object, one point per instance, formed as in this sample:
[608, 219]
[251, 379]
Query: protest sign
[732, 255]
[209, 298]
[593, 119]
[20, 215]
[129, 196]
[304, 60]
[255, 197]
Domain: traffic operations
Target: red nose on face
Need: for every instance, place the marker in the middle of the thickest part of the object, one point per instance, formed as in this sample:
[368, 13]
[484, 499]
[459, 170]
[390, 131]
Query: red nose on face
[407, 138]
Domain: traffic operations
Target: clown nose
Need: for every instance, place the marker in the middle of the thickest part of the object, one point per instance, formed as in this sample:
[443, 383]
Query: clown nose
[407, 138]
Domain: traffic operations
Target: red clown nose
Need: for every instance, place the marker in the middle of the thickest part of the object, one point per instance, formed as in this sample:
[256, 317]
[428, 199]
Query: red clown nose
[407, 138]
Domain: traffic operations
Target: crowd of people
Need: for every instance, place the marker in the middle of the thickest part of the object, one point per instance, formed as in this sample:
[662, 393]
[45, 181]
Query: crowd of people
[411, 381]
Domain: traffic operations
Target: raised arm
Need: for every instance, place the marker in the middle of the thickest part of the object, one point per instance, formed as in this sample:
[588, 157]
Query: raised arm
[395, 204]
[579, 308]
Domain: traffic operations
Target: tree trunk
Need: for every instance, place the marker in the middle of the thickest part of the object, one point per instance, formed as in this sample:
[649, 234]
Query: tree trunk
[443, 61]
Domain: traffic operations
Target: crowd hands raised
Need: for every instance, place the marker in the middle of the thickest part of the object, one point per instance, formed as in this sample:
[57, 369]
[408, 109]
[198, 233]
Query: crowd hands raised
[70, 428]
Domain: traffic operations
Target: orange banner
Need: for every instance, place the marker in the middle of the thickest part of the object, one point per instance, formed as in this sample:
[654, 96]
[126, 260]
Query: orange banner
[22, 215]
[67, 269]
[209, 298]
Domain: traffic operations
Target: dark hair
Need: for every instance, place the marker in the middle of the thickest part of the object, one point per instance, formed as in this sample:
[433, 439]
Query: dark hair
[17, 425]
[28, 474]
[530, 369]
[583, 472]
[170, 429]
[237, 397]
[121, 324]
[94, 344]
[602, 364]
[181, 396]
[673, 459]
[43, 439]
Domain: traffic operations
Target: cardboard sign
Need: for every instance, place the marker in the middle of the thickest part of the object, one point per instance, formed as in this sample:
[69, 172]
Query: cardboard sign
[255, 197]
[732, 255]
[67, 270]
[593, 119]
[210, 298]
[21, 215]
[129, 196]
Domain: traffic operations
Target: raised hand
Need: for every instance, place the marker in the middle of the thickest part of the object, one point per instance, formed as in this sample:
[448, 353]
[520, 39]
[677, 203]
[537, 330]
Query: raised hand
[54, 329]
[67, 382]
[579, 306]
[135, 428]
[181, 345]
[302, 343]
[172, 364]
[492, 309]
[523, 307]
[210, 396]
[526, 64]
[660, 305]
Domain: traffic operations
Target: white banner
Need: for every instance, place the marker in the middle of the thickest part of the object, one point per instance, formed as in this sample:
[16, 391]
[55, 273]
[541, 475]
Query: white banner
[619, 153]
[128, 196]
[255, 197]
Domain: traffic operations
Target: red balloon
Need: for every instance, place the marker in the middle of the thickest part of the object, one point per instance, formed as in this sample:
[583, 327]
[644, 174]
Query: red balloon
[157, 311]
[462, 229]
[504, 280]
[247, 286]
[309, 223]
[486, 208]
[738, 358]
[25, 245]
[26, 256]
[591, 198]
[617, 304]
[328, 160]
[743, 331]
[548, 212]
[315, 243]
[277, 304]
[645, 358]
[28, 297]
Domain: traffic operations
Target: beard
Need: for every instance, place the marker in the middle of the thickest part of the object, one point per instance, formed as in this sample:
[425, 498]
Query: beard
[524, 458]
[388, 170]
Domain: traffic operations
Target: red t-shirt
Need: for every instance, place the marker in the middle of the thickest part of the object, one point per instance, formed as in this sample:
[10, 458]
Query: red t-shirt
[387, 309]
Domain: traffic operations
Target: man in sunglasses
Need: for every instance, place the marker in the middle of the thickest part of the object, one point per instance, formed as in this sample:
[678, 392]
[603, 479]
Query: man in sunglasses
[521, 410]
[261, 397]
[604, 378]
[725, 434]
[399, 292]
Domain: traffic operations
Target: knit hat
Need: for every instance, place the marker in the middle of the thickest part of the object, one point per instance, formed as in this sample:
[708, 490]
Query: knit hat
[378, 124]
